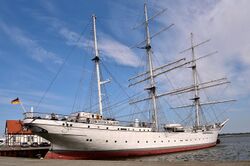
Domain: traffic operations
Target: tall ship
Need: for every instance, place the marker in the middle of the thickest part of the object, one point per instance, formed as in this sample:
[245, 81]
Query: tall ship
[88, 135]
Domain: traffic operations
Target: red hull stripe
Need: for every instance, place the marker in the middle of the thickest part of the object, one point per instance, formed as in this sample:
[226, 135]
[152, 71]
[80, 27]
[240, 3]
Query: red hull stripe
[86, 155]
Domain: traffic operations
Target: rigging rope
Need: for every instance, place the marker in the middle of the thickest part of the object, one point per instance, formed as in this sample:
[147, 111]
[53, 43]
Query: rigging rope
[171, 84]
[61, 67]
[120, 86]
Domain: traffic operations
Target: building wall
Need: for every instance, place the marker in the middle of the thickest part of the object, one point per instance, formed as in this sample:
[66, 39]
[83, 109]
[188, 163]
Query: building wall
[16, 139]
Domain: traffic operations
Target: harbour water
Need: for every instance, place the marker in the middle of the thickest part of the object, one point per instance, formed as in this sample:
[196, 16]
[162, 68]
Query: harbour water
[231, 148]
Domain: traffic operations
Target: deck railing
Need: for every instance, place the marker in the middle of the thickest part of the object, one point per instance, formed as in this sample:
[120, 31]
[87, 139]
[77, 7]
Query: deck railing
[73, 118]
[40, 115]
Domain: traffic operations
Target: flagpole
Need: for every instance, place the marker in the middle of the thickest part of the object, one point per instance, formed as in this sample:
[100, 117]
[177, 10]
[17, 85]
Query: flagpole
[24, 110]
[17, 101]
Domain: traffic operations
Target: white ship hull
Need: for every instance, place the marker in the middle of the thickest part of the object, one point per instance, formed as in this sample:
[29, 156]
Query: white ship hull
[72, 140]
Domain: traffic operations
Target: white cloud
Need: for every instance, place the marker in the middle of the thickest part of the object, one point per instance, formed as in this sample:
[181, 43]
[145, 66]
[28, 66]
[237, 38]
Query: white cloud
[227, 24]
[121, 53]
[34, 50]
[107, 46]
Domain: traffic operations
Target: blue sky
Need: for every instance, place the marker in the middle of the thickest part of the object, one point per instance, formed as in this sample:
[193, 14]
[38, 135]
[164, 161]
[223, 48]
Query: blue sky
[36, 36]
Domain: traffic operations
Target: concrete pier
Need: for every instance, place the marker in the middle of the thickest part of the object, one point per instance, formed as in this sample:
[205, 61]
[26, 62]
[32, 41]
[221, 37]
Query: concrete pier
[7, 161]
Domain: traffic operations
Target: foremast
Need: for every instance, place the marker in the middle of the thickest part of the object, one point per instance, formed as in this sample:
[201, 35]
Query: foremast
[152, 87]
[96, 59]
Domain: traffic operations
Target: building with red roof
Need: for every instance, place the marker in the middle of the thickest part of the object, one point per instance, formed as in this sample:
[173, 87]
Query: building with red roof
[16, 133]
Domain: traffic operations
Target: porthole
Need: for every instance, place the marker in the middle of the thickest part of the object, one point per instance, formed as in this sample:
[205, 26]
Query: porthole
[126, 141]
[71, 125]
[90, 140]
[154, 141]
[88, 126]
[87, 139]
[138, 141]
[115, 141]
[107, 128]
[107, 141]
[146, 141]
[63, 124]
[162, 141]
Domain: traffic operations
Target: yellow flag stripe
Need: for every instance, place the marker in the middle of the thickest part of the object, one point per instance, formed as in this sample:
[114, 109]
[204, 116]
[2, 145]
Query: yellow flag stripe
[15, 101]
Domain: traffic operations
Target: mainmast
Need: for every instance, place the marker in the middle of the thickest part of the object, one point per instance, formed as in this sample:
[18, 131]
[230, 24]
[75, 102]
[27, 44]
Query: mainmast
[152, 73]
[97, 60]
[152, 88]
[196, 86]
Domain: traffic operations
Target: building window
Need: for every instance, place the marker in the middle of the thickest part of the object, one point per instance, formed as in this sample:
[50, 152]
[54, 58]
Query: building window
[14, 138]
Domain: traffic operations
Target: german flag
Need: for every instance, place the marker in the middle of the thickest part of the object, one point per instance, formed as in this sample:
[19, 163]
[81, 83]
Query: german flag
[16, 101]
